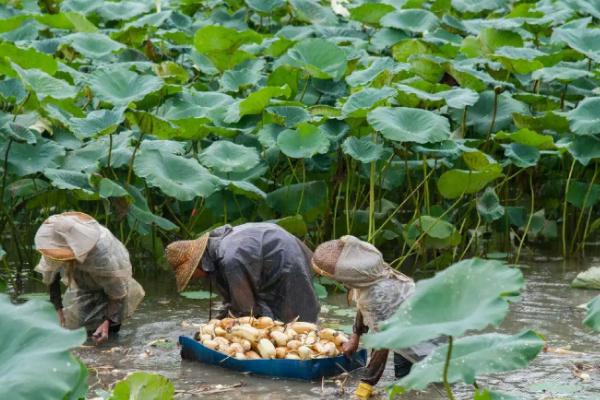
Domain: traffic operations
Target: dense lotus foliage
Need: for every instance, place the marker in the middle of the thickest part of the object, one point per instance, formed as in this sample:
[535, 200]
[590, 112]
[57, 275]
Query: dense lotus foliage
[435, 129]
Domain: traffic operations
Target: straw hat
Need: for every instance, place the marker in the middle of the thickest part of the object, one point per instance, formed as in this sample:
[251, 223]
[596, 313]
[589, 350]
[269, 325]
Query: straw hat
[325, 257]
[53, 245]
[184, 256]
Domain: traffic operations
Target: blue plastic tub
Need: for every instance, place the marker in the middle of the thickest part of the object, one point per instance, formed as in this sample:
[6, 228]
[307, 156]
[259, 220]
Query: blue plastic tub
[294, 369]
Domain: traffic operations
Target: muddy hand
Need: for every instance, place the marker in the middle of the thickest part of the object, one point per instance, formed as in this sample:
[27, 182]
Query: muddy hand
[61, 317]
[351, 345]
[101, 334]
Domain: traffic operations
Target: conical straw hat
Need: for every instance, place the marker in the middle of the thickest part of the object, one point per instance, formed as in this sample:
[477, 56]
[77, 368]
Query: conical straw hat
[55, 247]
[184, 256]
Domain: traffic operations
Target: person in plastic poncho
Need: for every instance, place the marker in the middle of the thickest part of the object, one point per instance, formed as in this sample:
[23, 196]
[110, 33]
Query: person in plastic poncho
[101, 292]
[258, 268]
[378, 291]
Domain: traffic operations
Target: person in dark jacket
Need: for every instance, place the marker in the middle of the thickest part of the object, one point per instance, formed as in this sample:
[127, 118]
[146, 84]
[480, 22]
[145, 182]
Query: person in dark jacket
[259, 269]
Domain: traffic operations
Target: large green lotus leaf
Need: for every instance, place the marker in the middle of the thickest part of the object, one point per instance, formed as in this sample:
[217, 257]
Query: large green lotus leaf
[18, 133]
[265, 6]
[522, 60]
[578, 191]
[96, 123]
[107, 189]
[179, 177]
[35, 362]
[151, 124]
[244, 188]
[93, 45]
[193, 104]
[121, 10]
[469, 295]
[477, 6]
[479, 116]
[25, 159]
[256, 102]
[546, 121]
[585, 41]
[432, 233]
[245, 74]
[456, 182]
[293, 224]
[522, 155]
[290, 116]
[311, 11]
[72, 21]
[527, 137]
[26, 58]
[69, 180]
[494, 39]
[227, 157]
[12, 91]
[585, 119]
[588, 279]
[359, 103]
[44, 85]
[459, 97]
[488, 205]
[120, 86]
[562, 74]
[139, 215]
[362, 149]
[303, 142]
[221, 45]
[320, 58]
[143, 386]
[584, 148]
[370, 13]
[473, 356]
[412, 20]
[360, 77]
[592, 318]
[409, 124]
[286, 200]
[492, 395]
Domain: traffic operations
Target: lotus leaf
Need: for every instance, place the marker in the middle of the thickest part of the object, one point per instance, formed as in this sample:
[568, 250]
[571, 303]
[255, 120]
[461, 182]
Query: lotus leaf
[473, 356]
[419, 21]
[370, 13]
[589, 279]
[456, 182]
[362, 149]
[409, 124]
[480, 115]
[245, 74]
[583, 194]
[25, 159]
[319, 57]
[120, 86]
[522, 155]
[303, 142]
[584, 148]
[18, 133]
[432, 232]
[562, 74]
[44, 85]
[265, 6]
[585, 119]
[227, 157]
[256, 102]
[286, 200]
[179, 177]
[96, 123]
[69, 180]
[93, 45]
[27, 59]
[312, 11]
[488, 205]
[593, 314]
[492, 395]
[143, 386]
[468, 295]
[529, 138]
[359, 103]
[221, 45]
[36, 362]
[121, 10]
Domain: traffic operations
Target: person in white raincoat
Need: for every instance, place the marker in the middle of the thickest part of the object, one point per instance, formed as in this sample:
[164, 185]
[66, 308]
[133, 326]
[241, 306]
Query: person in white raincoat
[378, 292]
[94, 265]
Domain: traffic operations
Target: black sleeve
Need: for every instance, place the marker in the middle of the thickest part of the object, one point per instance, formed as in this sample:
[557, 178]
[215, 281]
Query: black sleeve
[359, 326]
[55, 294]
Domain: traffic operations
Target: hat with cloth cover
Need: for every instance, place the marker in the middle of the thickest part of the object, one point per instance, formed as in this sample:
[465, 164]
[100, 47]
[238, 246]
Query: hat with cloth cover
[353, 262]
[184, 256]
[67, 236]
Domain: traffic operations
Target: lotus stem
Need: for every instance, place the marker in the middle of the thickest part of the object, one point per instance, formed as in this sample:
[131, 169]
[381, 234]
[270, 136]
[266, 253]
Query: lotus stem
[304, 89]
[5, 169]
[562, 97]
[472, 237]
[426, 186]
[585, 200]
[372, 202]
[303, 187]
[528, 225]
[447, 367]
[347, 196]
[463, 125]
[494, 113]
[564, 213]
[132, 159]
[586, 232]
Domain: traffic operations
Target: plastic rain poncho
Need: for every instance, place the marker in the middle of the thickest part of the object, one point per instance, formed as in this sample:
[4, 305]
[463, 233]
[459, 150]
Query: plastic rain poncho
[99, 281]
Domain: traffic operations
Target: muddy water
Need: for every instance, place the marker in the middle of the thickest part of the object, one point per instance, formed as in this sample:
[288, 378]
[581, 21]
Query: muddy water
[548, 305]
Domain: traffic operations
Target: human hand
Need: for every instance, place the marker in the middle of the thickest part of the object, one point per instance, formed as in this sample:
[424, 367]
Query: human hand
[101, 334]
[351, 345]
[61, 317]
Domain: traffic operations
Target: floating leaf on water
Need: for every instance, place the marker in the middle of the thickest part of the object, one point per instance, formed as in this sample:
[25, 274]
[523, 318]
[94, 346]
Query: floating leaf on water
[198, 295]
[143, 386]
[592, 318]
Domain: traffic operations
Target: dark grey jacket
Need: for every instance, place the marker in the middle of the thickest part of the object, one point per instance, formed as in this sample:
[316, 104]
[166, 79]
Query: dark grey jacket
[261, 269]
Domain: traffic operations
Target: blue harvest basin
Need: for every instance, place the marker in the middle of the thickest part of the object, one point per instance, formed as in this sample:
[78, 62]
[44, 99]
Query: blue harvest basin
[295, 369]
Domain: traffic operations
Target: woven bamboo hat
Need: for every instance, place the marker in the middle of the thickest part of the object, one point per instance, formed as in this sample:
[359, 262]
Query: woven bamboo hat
[67, 236]
[184, 256]
[325, 257]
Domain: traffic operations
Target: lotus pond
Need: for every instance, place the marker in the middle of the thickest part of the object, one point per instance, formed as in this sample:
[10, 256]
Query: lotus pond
[439, 130]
